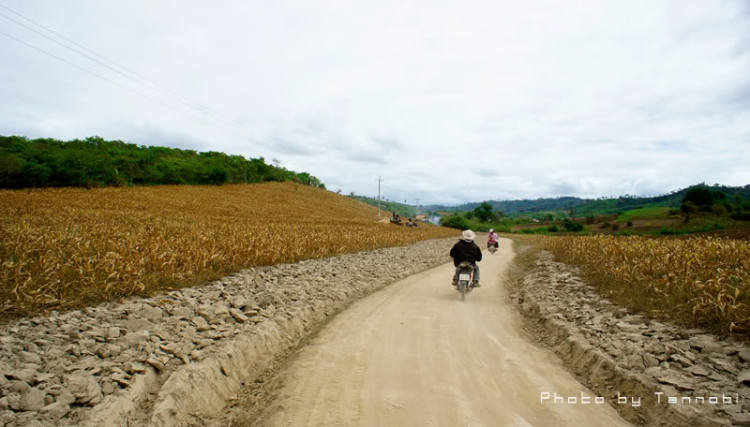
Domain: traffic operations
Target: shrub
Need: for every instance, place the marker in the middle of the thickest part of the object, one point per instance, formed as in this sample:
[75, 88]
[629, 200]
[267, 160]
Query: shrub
[688, 207]
[630, 223]
[719, 209]
[455, 221]
[615, 226]
[553, 228]
[704, 197]
[572, 225]
[605, 225]
[484, 212]
[741, 216]
[590, 219]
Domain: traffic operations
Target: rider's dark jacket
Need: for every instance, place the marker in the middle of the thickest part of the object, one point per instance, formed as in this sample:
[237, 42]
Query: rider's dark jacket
[465, 251]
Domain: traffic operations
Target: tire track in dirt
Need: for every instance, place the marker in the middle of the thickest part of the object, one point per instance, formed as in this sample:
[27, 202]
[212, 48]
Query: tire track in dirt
[414, 354]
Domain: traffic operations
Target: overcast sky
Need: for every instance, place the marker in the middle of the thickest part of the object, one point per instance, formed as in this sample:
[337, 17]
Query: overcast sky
[448, 101]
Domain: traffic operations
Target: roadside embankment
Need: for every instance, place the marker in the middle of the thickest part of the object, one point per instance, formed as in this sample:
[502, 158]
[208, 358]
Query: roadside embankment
[170, 359]
[653, 373]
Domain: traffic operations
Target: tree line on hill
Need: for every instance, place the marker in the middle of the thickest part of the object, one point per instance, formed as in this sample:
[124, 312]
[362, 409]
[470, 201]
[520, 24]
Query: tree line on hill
[703, 199]
[512, 207]
[601, 206]
[95, 162]
[695, 200]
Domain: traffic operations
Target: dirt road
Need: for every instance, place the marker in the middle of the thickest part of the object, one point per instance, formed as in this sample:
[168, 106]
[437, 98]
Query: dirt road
[415, 355]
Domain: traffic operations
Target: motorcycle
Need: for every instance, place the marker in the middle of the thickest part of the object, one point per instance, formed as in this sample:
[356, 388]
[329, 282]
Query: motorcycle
[492, 246]
[465, 278]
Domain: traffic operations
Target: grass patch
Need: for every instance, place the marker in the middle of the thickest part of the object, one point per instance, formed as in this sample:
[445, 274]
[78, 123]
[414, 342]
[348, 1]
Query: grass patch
[537, 230]
[688, 230]
[644, 213]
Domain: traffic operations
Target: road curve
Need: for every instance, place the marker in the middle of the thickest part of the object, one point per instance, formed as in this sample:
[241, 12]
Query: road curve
[414, 355]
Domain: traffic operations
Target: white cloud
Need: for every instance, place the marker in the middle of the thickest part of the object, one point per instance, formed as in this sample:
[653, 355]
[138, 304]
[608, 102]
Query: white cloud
[450, 102]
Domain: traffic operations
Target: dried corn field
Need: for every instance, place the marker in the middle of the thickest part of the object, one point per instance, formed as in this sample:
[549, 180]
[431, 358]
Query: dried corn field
[699, 281]
[66, 248]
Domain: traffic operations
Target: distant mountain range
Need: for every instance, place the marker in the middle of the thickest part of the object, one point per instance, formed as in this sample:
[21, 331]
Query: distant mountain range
[584, 207]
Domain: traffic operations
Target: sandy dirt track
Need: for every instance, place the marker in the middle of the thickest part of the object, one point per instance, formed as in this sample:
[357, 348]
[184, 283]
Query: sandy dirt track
[415, 355]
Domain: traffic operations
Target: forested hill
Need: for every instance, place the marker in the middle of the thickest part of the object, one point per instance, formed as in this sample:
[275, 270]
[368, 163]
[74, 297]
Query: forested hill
[95, 162]
[593, 206]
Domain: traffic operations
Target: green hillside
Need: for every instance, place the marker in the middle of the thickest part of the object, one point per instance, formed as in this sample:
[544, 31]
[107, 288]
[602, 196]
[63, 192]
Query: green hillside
[626, 203]
[517, 207]
[400, 208]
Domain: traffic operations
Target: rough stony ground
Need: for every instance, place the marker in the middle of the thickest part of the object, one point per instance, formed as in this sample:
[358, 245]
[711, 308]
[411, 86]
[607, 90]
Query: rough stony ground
[155, 361]
[414, 354]
[613, 351]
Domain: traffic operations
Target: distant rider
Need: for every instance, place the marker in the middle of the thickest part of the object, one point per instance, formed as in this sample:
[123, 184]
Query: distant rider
[493, 239]
[466, 250]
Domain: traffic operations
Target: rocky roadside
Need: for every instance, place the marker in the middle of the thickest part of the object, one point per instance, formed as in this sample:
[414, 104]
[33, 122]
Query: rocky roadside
[612, 351]
[169, 360]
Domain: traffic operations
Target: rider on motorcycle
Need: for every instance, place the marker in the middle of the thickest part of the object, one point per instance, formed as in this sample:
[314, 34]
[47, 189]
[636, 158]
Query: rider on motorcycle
[492, 239]
[466, 250]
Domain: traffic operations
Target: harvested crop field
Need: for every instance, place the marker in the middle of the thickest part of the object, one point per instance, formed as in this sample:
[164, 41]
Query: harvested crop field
[68, 248]
[699, 281]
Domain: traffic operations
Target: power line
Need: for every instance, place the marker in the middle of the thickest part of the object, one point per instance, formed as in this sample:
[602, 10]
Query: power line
[82, 47]
[188, 104]
[208, 111]
[164, 90]
[379, 181]
[92, 52]
[104, 78]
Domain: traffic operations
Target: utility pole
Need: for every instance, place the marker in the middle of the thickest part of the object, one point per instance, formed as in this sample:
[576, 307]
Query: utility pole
[417, 211]
[379, 181]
